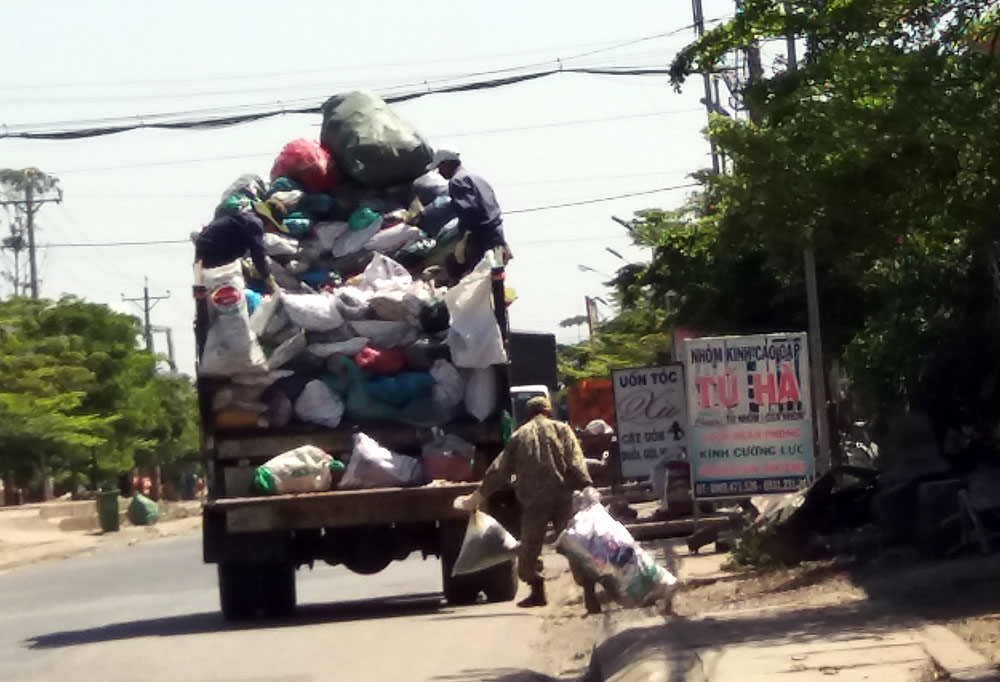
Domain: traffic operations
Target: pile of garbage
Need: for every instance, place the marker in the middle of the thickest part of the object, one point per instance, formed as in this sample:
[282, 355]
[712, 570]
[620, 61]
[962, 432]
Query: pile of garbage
[371, 465]
[362, 324]
[911, 492]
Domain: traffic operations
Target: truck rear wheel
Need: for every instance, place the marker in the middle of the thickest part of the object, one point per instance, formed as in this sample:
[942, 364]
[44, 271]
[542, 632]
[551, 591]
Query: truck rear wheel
[499, 582]
[458, 589]
[246, 589]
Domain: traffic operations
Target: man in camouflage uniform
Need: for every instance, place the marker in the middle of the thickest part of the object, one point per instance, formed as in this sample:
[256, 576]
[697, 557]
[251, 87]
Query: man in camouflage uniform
[544, 464]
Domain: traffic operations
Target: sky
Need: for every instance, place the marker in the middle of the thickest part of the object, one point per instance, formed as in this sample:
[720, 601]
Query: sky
[562, 139]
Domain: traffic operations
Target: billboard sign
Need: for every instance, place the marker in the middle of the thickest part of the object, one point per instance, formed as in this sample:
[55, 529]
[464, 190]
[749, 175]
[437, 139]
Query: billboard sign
[650, 417]
[750, 411]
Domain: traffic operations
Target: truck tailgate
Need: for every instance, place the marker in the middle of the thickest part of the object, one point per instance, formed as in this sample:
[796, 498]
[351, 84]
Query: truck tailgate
[341, 508]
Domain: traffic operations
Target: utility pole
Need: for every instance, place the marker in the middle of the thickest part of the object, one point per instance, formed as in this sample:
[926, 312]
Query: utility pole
[148, 302]
[15, 243]
[30, 204]
[169, 333]
[699, 29]
[812, 304]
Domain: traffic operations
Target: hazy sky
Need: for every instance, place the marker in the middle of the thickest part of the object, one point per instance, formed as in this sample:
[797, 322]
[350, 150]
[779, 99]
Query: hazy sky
[561, 139]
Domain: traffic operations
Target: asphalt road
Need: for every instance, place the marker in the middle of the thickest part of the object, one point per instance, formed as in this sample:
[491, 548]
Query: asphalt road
[149, 612]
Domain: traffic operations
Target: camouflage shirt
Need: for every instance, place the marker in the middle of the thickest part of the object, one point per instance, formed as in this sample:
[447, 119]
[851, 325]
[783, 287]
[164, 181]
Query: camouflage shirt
[543, 458]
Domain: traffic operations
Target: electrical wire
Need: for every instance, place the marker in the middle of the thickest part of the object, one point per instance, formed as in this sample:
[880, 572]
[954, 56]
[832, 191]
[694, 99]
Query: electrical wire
[471, 133]
[110, 126]
[532, 209]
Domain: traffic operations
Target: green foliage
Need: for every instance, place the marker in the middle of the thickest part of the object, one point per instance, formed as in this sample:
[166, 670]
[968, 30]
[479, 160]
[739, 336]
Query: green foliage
[636, 337]
[77, 392]
[880, 152]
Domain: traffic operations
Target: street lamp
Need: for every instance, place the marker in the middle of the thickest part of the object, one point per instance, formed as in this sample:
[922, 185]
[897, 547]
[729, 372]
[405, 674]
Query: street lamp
[587, 268]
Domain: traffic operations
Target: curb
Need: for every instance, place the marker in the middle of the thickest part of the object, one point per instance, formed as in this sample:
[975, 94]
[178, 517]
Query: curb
[953, 656]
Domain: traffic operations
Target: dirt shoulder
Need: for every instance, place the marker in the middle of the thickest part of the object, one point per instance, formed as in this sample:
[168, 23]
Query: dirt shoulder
[33, 534]
[897, 594]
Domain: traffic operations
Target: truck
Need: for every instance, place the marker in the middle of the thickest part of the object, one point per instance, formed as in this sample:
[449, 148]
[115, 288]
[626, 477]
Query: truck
[258, 542]
[533, 369]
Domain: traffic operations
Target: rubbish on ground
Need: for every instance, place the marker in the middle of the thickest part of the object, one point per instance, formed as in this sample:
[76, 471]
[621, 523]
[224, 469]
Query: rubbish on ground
[142, 511]
[603, 548]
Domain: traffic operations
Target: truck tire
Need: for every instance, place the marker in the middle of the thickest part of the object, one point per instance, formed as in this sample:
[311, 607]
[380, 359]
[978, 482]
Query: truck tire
[278, 594]
[246, 589]
[499, 582]
[459, 589]
[236, 594]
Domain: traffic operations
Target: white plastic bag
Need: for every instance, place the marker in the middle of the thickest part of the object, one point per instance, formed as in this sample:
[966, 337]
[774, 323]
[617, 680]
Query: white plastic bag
[264, 314]
[481, 392]
[287, 351]
[385, 334]
[394, 238]
[352, 302]
[329, 232]
[313, 312]
[374, 466]
[486, 544]
[279, 245]
[603, 547]
[384, 274]
[449, 386]
[302, 470]
[317, 404]
[350, 347]
[354, 240]
[474, 336]
[230, 345]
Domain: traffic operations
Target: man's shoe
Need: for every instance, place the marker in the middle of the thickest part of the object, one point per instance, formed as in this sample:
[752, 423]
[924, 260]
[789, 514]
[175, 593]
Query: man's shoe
[537, 596]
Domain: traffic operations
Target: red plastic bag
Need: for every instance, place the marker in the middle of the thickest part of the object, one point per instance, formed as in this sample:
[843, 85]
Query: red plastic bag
[308, 164]
[446, 467]
[386, 362]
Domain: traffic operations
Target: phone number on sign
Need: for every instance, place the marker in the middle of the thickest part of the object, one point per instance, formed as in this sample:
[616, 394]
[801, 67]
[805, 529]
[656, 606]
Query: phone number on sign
[750, 486]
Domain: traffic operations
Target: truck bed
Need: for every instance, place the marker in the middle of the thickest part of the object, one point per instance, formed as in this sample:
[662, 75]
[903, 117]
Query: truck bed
[341, 508]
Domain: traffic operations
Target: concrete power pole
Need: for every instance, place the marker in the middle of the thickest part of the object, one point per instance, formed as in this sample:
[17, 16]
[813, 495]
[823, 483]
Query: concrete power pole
[30, 204]
[824, 460]
[148, 302]
[710, 105]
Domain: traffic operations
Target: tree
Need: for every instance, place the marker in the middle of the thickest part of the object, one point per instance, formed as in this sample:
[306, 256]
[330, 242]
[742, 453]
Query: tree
[881, 152]
[78, 391]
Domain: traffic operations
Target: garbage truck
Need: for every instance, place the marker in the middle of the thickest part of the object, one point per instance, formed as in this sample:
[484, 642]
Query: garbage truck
[259, 541]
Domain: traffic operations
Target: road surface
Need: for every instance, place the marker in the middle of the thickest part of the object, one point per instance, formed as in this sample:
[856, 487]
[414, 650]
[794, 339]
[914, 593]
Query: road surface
[149, 613]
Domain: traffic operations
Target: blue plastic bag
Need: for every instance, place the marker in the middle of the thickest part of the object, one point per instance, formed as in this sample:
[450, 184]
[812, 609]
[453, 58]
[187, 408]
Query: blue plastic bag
[401, 389]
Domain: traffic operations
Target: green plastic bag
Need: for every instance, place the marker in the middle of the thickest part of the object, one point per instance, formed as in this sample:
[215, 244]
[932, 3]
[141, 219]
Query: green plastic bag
[362, 219]
[142, 511]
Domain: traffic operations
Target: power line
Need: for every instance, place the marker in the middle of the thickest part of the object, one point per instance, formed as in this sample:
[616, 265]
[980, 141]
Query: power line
[470, 133]
[172, 121]
[600, 199]
[532, 209]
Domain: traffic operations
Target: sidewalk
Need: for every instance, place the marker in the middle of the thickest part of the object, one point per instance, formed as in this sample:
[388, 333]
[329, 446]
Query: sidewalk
[792, 630]
[59, 529]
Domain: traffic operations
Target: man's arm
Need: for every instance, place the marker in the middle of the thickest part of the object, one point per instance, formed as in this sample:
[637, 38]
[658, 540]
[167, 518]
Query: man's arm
[498, 474]
[576, 468]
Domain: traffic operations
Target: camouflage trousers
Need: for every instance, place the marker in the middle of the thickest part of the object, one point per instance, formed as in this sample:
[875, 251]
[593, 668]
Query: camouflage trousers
[535, 520]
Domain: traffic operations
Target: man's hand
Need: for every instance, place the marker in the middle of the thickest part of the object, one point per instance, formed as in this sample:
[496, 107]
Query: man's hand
[469, 503]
